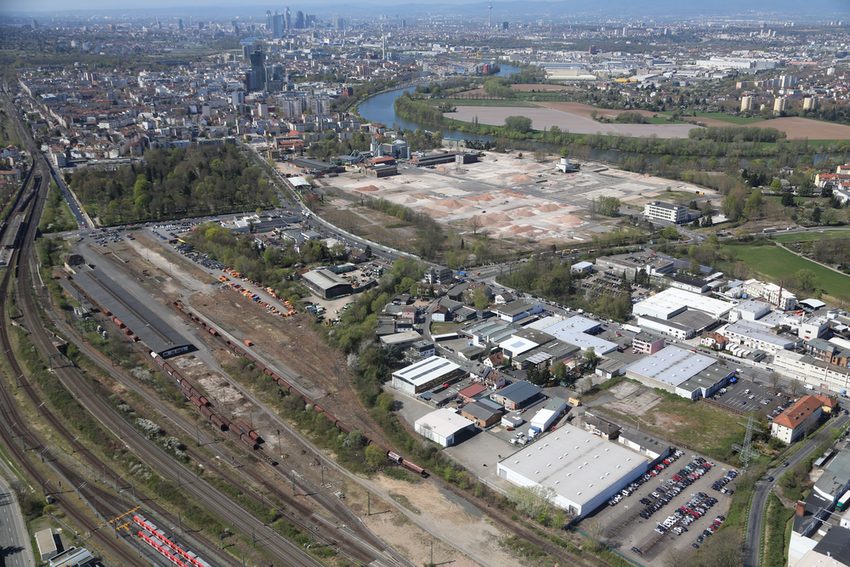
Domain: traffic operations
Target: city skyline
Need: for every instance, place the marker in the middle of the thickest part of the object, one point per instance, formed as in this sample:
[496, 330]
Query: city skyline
[650, 9]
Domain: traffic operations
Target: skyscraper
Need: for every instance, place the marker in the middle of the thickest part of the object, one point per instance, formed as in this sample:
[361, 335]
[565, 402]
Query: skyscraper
[288, 19]
[180, 24]
[257, 76]
[277, 25]
[299, 20]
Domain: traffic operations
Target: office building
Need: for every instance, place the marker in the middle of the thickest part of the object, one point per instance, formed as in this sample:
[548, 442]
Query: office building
[669, 212]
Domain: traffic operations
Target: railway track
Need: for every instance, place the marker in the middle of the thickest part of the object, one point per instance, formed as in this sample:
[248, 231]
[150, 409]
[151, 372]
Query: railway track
[106, 505]
[20, 439]
[355, 541]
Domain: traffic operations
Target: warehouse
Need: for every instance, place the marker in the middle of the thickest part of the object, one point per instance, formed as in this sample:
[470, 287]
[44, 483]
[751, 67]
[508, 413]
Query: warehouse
[672, 301]
[131, 315]
[444, 427]
[326, 284]
[517, 395]
[576, 331]
[426, 374]
[583, 471]
[679, 313]
[680, 371]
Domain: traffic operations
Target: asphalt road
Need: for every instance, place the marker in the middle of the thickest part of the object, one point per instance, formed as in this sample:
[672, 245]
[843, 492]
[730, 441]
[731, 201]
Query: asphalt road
[755, 522]
[15, 549]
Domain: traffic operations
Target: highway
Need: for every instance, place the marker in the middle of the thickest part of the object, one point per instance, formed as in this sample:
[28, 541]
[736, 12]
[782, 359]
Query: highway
[15, 548]
[763, 487]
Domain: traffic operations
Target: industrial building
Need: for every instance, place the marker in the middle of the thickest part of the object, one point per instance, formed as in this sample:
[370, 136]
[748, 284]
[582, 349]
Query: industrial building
[130, 314]
[326, 284]
[516, 395]
[425, 374]
[679, 313]
[685, 373]
[444, 427]
[628, 265]
[576, 331]
[582, 471]
[812, 371]
[757, 337]
[669, 212]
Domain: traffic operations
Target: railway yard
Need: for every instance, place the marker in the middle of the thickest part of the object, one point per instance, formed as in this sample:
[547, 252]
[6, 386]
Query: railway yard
[195, 303]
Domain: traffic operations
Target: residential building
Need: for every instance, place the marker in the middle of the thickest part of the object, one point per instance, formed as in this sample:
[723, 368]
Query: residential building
[747, 102]
[797, 420]
[774, 294]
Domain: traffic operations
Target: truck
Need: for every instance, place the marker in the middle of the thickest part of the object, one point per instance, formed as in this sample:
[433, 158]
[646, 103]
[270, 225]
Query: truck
[534, 431]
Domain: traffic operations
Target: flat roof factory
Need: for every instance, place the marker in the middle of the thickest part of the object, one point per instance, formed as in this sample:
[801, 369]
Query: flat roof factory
[425, 374]
[680, 371]
[583, 470]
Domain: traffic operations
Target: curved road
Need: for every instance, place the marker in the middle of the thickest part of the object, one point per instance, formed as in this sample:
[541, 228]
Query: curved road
[755, 520]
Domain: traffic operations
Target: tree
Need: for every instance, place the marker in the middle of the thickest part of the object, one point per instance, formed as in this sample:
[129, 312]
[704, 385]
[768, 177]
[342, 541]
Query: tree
[607, 206]
[669, 233]
[752, 207]
[521, 124]
[479, 298]
[559, 371]
[375, 456]
[788, 199]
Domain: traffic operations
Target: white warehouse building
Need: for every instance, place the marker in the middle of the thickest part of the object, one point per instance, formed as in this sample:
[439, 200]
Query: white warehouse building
[582, 470]
[443, 426]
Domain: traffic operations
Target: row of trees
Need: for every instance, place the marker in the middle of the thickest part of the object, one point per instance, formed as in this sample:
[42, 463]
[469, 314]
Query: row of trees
[196, 181]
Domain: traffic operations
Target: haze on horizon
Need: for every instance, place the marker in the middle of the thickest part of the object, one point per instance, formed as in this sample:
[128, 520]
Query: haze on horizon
[646, 8]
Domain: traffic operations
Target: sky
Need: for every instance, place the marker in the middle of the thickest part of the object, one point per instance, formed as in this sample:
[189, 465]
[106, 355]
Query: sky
[648, 8]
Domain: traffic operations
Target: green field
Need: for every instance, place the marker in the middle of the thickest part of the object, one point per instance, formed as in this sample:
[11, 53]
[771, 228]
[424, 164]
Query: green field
[811, 236]
[698, 426]
[731, 118]
[775, 264]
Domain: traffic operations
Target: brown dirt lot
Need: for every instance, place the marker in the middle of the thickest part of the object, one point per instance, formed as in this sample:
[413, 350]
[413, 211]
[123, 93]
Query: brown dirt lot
[294, 344]
[587, 110]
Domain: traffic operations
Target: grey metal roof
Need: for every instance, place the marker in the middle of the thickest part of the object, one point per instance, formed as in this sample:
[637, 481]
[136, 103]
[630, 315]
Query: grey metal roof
[519, 391]
[155, 333]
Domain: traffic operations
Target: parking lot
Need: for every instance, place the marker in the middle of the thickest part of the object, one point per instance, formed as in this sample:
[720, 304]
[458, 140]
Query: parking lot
[748, 396]
[683, 506]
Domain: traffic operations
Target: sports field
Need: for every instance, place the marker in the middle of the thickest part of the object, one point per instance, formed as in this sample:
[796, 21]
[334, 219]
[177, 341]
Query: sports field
[775, 264]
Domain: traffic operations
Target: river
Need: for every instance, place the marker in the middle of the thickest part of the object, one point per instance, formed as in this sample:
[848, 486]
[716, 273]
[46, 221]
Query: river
[381, 108]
